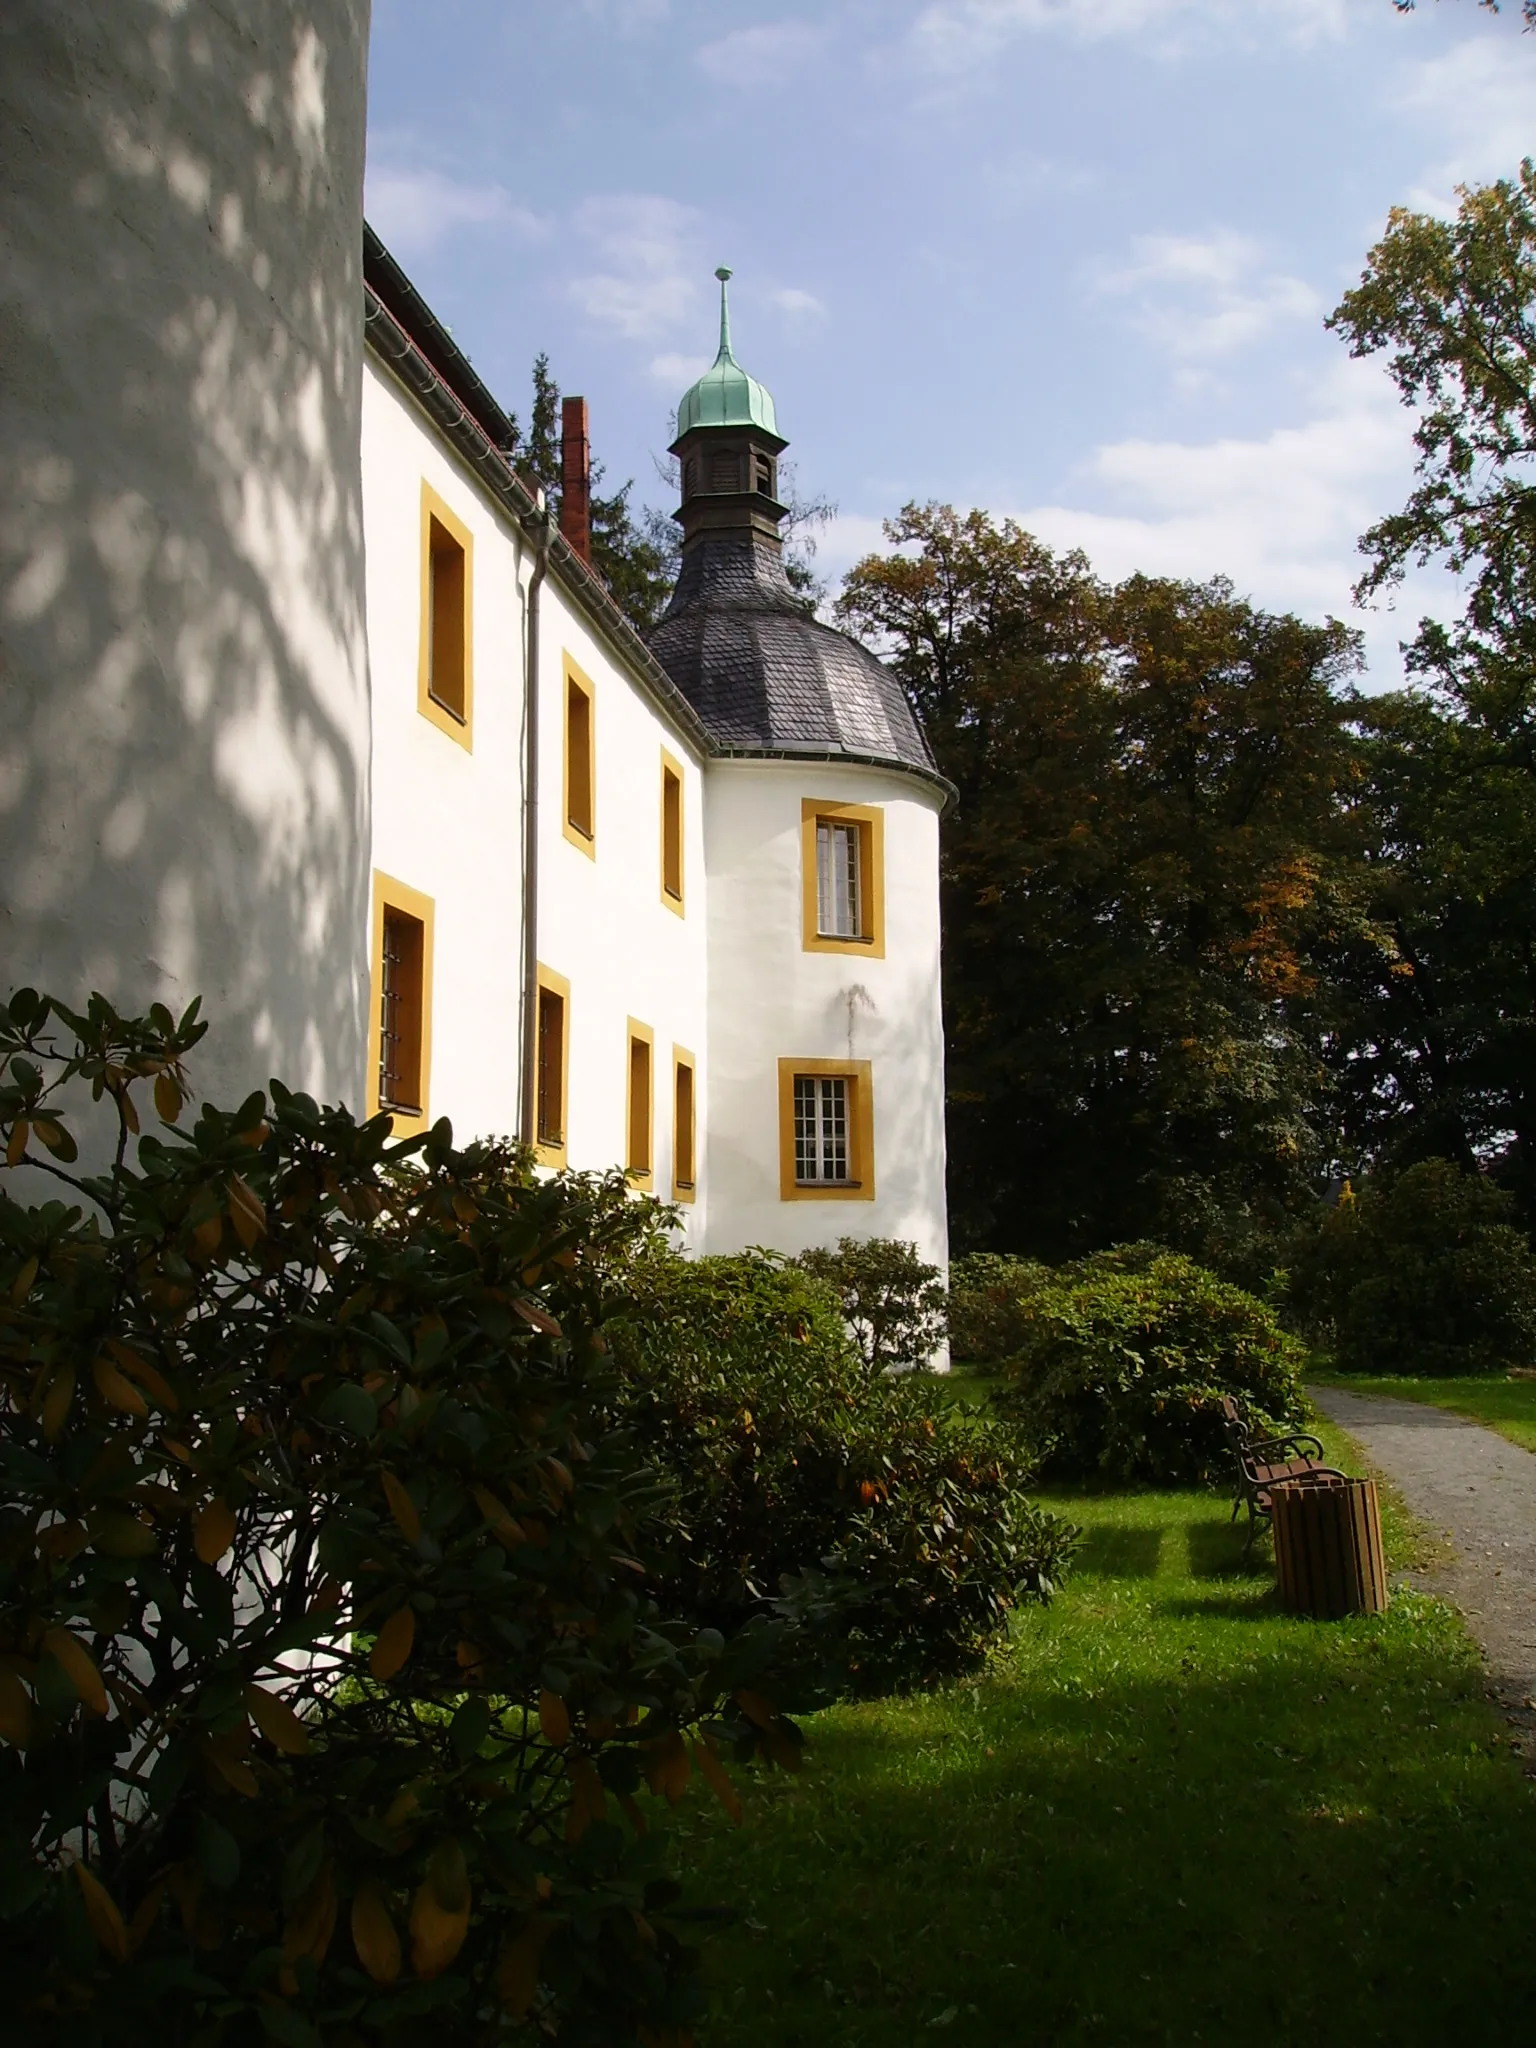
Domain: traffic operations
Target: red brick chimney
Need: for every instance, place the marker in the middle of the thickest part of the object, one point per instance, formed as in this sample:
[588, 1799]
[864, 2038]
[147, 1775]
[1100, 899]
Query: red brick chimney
[576, 477]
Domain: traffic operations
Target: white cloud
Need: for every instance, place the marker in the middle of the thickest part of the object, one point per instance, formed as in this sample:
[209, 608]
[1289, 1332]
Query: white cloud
[1477, 98]
[415, 210]
[796, 305]
[768, 54]
[677, 372]
[1281, 516]
[960, 35]
[846, 538]
[1202, 296]
[647, 284]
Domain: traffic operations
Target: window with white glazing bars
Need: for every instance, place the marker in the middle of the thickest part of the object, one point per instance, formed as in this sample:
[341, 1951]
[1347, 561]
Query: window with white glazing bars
[837, 880]
[821, 1128]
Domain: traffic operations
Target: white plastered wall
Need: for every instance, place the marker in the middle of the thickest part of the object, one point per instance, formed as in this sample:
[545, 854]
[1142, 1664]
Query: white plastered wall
[771, 999]
[447, 820]
[184, 762]
[602, 922]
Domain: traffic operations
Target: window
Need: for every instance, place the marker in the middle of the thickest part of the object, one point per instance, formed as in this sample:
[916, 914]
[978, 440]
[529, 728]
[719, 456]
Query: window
[690, 476]
[579, 821]
[821, 1129]
[637, 1105]
[838, 899]
[552, 1054]
[671, 833]
[764, 467]
[826, 1131]
[444, 690]
[684, 1126]
[400, 1024]
[725, 470]
[843, 856]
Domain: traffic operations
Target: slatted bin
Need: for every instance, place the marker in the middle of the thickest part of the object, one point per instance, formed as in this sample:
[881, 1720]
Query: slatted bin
[1328, 1553]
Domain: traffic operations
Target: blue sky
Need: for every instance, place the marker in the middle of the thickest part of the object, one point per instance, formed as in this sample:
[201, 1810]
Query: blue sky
[1064, 259]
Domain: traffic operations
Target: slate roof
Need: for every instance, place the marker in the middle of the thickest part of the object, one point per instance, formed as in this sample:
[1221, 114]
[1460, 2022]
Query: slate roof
[764, 676]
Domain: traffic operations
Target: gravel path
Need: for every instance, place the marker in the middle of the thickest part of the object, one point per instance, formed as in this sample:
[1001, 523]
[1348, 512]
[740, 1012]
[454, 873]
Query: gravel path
[1480, 1489]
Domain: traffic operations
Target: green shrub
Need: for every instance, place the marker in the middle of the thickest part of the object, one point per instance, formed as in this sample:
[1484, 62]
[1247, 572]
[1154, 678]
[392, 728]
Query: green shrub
[985, 1293]
[800, 1472]
[893, 1301]
[1423, 1273]
[330, 1663]
[1125, 1360]
[989, 1293]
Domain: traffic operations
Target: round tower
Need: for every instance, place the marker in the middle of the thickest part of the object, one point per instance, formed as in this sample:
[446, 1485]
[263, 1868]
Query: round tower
[822, 802]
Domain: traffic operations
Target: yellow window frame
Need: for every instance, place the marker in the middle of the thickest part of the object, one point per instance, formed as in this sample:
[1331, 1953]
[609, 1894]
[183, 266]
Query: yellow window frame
[389, 894]
[574, 782]
[672, 770]
[860, 1186]
[433, 709]
[870, 820]
[636, 1033]
[550, 983]
[683, 1061]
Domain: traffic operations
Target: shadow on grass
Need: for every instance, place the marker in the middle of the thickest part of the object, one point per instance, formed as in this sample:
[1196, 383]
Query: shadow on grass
[1259, 1603]
[1220, 1550]
[1124, 1864]
[1141, 1815]
[1107, 1552]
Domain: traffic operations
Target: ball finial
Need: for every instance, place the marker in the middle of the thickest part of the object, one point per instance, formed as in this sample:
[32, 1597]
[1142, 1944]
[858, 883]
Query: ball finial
[723, 273]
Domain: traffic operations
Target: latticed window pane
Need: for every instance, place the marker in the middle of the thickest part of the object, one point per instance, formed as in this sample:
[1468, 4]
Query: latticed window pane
[821, 1127]
[837, 880]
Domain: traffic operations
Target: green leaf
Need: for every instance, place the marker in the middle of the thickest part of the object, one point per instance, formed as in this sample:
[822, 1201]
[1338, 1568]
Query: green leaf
[169, 1774]
[218, 1852]
[352, 1408]
[469, 1728]
[301, 1866]
[392, 1339]
[283, 2024]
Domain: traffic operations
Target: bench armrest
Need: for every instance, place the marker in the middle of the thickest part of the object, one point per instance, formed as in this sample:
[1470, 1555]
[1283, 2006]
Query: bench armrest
[1289, 1446]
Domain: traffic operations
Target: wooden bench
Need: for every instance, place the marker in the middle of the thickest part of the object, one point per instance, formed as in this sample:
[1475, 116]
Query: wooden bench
[1263, 1462]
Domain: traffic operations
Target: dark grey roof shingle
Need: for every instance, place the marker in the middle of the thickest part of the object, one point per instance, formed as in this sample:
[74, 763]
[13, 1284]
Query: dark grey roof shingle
[762, 673]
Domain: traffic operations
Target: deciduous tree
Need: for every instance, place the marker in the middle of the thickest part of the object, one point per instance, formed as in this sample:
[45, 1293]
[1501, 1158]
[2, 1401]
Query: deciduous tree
[1440, 1057]
[1148, 863]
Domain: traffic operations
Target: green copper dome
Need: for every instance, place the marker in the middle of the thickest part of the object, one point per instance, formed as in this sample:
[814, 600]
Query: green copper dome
[725, 396]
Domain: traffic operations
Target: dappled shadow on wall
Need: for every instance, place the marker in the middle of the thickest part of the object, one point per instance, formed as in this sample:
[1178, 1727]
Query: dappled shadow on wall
[184, 759]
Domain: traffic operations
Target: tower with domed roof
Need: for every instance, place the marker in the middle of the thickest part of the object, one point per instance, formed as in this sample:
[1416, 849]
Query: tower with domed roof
[821, 848]
[736, 638]
[728, 446]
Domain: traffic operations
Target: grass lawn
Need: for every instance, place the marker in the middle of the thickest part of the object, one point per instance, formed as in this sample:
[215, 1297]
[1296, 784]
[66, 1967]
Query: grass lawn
[1167, 1814]
[1509, 1406]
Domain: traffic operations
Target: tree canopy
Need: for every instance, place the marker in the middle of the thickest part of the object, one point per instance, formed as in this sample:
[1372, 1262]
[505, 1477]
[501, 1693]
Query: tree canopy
[1440, 1058]
[1450, 302]
[1527, 8]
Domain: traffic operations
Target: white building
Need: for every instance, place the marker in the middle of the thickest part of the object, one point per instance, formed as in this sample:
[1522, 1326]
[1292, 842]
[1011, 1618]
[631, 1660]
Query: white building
[272, 598]
[730, 944]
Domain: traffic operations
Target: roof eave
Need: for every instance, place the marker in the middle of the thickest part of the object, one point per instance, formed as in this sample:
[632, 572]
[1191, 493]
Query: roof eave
[447, 408]
[724, 750]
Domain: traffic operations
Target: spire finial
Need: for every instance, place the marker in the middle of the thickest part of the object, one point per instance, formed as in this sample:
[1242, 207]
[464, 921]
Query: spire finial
[725, 356]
